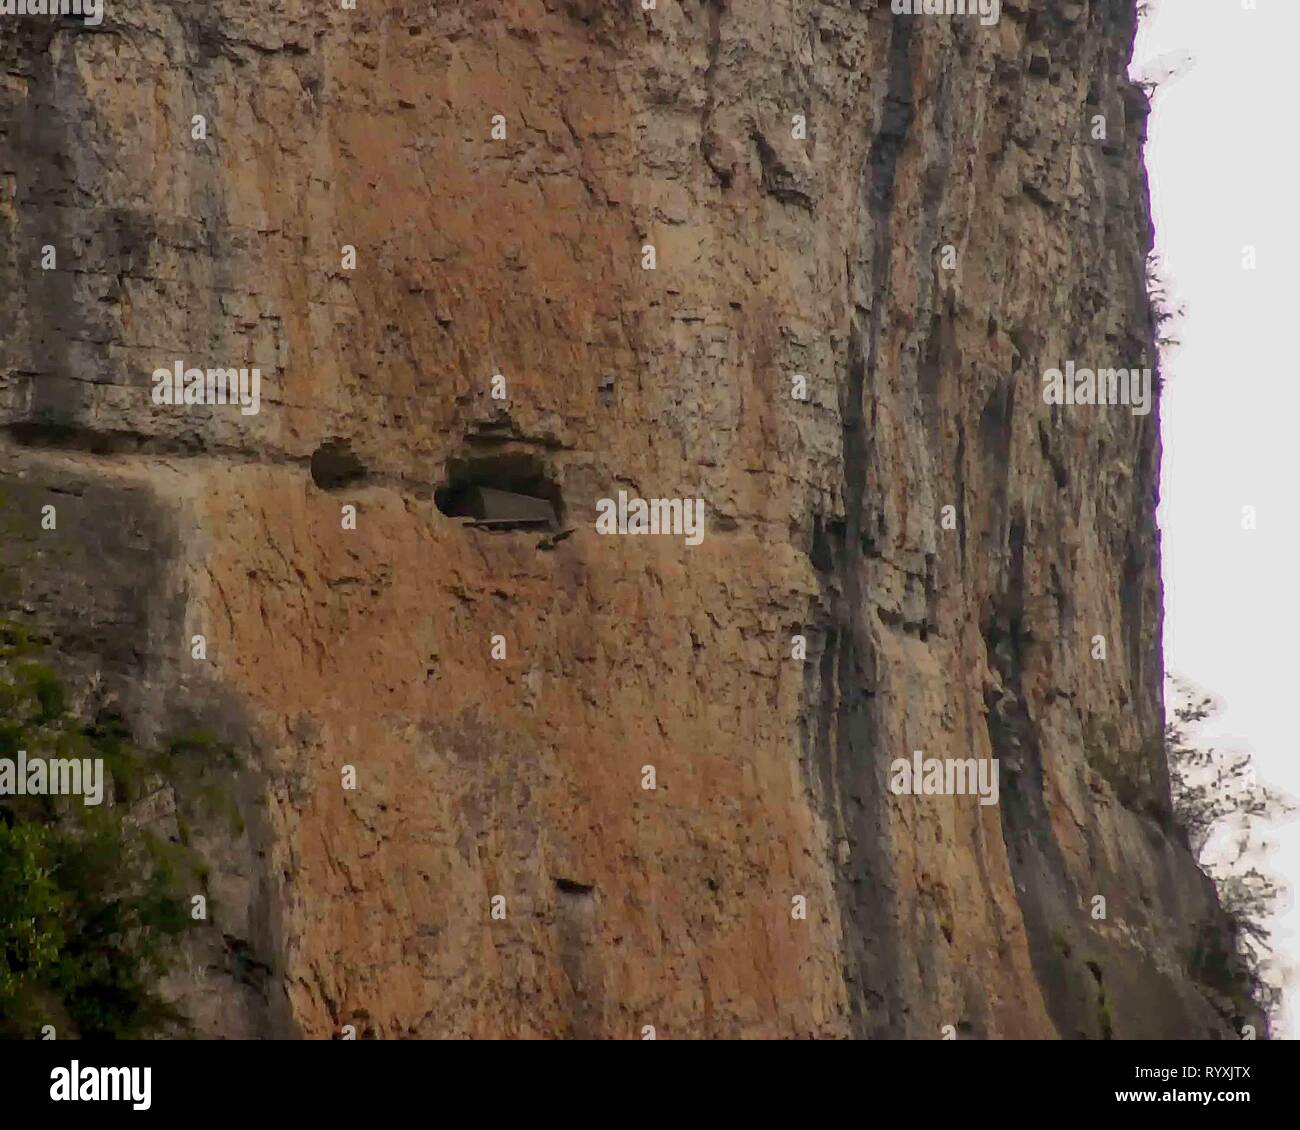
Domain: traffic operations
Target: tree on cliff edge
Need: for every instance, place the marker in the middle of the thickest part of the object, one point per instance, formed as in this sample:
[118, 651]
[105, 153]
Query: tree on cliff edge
[1220, 806]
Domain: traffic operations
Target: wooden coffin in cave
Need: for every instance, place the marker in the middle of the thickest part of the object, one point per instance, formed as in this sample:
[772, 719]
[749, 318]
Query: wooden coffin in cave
[489, 507]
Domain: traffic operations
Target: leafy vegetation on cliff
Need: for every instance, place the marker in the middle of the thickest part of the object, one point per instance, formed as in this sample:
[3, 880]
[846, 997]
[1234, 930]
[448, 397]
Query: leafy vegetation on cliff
[92, 903]
[1218, 803]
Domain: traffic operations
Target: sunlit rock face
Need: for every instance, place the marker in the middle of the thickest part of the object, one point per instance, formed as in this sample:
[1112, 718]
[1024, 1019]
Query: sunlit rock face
[804, 263]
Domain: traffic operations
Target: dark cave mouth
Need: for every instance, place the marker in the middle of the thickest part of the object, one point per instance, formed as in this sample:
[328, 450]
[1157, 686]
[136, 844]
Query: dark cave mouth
[515, 491]
[334, 466]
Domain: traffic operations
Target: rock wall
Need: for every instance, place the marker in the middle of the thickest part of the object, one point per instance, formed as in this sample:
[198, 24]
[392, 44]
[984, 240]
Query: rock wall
[950, 226]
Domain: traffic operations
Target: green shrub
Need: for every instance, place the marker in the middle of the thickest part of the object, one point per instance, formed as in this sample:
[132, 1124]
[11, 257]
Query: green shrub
[92, 905]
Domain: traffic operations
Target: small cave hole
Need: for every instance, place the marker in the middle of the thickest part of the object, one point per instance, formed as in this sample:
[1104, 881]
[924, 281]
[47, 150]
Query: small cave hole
[501, 492]
[334, 466]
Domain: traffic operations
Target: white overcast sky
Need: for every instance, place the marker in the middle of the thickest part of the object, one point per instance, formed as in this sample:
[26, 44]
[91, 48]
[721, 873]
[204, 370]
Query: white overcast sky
[1222, 156]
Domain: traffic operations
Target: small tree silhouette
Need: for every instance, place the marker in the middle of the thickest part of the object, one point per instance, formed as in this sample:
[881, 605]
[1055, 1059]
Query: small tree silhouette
[1213, 792]
[1167, 315]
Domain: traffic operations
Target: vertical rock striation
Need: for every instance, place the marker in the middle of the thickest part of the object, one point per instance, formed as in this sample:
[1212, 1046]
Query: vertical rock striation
[522, 256]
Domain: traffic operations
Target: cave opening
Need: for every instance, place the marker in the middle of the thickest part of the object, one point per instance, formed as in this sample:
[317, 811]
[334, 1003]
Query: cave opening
[507, 491]
[334, 466]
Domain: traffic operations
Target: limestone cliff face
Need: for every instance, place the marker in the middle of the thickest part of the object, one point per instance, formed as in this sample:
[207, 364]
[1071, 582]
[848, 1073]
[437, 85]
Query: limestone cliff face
[522, 256]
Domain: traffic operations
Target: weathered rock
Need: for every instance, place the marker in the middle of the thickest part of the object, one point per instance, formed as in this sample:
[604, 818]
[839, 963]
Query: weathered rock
[372, 646]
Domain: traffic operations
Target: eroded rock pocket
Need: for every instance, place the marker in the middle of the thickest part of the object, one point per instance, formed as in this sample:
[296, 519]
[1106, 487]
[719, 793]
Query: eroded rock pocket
[334, 466]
